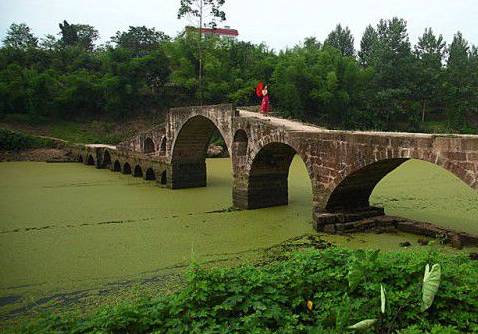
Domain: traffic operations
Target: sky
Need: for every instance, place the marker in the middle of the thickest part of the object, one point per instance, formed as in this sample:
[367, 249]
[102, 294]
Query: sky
[278, 23]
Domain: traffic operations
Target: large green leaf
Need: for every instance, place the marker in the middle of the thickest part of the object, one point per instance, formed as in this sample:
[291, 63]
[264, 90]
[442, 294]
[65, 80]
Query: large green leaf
[364, 324]
[382, 298]
[431, 282]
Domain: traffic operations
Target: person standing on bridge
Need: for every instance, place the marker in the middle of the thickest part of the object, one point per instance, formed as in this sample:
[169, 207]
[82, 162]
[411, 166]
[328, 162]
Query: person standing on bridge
[263, 92]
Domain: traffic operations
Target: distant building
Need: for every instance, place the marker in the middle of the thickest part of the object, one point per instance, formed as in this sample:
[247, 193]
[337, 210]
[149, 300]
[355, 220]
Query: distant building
[225, 32]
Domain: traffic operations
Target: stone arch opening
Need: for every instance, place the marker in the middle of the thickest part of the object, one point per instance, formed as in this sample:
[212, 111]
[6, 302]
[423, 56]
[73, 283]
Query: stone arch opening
[117, 166]
[126, 168]
[268, 179]
[148, 146]
[415, 189]
[90, 161]
[354, 191]
[164, 178]
[150, 174]
[162, 148]
[240, 143]
[106, 159]
[189, 152]
[138, 172]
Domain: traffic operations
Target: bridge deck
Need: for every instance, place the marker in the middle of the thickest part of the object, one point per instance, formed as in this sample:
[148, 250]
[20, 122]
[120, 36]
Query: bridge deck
[293, 125]
[281, 122]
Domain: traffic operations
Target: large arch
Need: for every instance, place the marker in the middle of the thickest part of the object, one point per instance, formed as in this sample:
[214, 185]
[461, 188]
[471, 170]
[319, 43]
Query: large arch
[354, 191]
[266, 182]
[148, 146]
[106, 163]
[351, 192]
[189, 151]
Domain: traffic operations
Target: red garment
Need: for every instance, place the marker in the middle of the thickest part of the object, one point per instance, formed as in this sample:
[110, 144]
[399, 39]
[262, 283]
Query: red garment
[265, 107]
[259, 88]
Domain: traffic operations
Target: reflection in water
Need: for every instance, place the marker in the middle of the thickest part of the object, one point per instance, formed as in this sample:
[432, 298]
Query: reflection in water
[66, 227]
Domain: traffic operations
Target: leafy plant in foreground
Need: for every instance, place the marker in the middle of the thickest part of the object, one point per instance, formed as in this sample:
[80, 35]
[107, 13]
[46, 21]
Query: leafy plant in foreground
[431, 283]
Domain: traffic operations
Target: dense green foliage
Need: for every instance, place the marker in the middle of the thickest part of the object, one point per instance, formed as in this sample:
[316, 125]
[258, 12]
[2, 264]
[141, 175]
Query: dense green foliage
[343, 286]
[14, 141]
[387, 84]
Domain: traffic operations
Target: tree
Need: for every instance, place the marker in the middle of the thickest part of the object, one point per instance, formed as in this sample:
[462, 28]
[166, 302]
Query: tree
[81, 35]
[459, 81]
[394, 67]
[19, 36]
[49, 42]
[342, 40]
[430, 51]
[206, 12]
[368, 46]
[141, 40]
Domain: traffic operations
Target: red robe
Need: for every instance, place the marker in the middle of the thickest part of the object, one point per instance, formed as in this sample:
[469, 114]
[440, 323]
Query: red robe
[265, 107]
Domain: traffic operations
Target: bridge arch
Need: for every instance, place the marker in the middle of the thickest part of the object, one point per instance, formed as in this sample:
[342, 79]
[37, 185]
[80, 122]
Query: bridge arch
[189, 151]
[106, 163]
[267, 175]
[351, 191]
[164, 178]
[117, 166]
[126, 168]
[148, 146]
[138, 171]
[150, 175]
[90, 160]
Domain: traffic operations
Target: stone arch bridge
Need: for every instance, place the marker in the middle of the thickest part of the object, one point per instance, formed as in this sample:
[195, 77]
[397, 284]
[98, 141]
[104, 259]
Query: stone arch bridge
[343, 166]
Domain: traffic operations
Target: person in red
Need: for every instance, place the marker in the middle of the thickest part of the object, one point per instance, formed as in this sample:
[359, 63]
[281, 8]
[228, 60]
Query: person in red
[262, 91]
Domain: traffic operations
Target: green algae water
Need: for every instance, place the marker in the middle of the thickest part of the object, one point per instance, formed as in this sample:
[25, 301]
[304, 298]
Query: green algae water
[69, 229]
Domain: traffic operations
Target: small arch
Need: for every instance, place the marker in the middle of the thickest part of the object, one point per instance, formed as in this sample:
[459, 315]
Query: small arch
[138, 172]
[164, 178]
[148, 146]
[126, 168]
[80, 158]
[162, 148]
[150, 175]
[240, 143]
[117, 166]
[90, 161]
[106, 159]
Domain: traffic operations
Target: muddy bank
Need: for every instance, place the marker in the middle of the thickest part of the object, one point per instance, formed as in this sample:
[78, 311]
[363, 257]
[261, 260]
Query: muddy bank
[38, 154]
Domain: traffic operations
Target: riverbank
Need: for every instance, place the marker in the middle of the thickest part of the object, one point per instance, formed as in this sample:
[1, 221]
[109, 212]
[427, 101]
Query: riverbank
[323, 291]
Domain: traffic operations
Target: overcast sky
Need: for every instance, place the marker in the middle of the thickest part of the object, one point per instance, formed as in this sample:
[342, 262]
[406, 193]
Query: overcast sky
[278, 23]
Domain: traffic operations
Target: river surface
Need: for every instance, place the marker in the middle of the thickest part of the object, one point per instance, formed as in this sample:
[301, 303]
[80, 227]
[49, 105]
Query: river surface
[69, 227]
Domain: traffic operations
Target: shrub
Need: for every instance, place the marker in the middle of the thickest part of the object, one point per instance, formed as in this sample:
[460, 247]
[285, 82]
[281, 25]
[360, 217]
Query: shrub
[310, 292]
[16, 141]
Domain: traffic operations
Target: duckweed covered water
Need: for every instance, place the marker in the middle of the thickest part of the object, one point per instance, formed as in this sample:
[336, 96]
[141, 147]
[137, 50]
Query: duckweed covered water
[71, 228]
